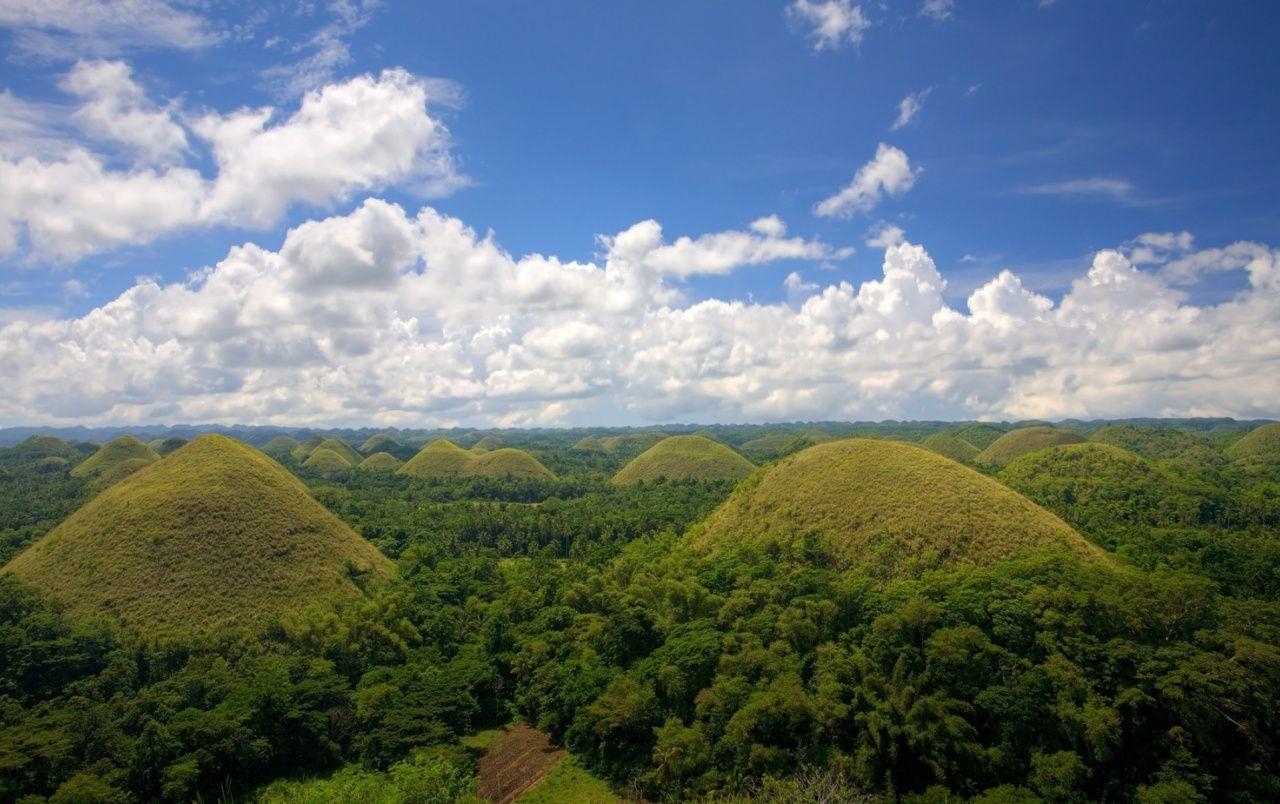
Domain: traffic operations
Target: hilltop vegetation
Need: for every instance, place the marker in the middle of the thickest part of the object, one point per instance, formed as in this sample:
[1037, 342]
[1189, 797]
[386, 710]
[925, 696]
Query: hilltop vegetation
[213, 537]
[115, 461]
[951, 446]
[1016, 443]
[686, 457]
[443, 458]
[862, 621]
[892, 508]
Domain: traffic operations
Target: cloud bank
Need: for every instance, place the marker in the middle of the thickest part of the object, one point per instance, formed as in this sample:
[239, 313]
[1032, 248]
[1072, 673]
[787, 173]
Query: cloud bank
[61, 200]
[382, 316]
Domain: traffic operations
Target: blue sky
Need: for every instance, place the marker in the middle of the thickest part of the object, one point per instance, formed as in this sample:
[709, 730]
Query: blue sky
[1043, 134]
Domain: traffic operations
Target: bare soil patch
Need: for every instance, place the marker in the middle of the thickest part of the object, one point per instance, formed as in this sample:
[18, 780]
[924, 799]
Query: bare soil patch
[516, 760]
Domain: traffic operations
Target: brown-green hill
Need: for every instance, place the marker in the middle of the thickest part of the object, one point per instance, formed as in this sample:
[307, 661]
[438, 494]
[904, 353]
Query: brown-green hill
[305, 448]
[214, 537]
[115, 461]
[980, 435]
[324, 459]
[951, 446]
[1259, 444]
[487, 444]
[895, 508]
[507, 462]
[775, 445]
[280, 445]
[380, 462]
[631, 444]
[440, 458]
[589, 444]
[1150, 442]
[342, 448]
[1016, 443]
[380, 442]
[163, 446]
[686, 457]
[38, 448]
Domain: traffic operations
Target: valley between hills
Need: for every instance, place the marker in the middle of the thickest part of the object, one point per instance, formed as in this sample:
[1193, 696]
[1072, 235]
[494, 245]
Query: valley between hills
[824, 612]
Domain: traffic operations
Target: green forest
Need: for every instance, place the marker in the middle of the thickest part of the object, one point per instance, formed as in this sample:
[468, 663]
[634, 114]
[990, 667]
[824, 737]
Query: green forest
[920, 612]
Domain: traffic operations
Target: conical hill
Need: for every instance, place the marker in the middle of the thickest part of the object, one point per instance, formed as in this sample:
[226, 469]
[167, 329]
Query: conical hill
[1025, 440]
[215, 537]
[686, 457]
[115, 461]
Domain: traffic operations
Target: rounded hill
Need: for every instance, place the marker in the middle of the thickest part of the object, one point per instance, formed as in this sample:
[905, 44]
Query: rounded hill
[686, 457]
[487, 444]
[980, 435]
[324, 459]
[342, 448]
[1259, 444]
[1016, 443]
[507, 462]
[1102, 489]
[951, 446]
[115, 461]
[280, 445]
[214, 537]
[379, 442]
[776, 445]
[380, 462]
[892, 507]
[305, 448]
[440, 458]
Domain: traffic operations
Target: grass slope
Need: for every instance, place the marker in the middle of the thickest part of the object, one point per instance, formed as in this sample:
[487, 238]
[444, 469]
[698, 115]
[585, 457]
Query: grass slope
[1259, 444]
[380, 462]
[951, 446]
[1016, 443]
[507, 462]
[893, 507]
[115, 460]
[980, 435]
[380, 442]
[440, 458]
[216, 536]
[163, 446]
[680, 457]
[280, 445]
[323, 459]
[305, 448]
[342, 448]
[487, 444]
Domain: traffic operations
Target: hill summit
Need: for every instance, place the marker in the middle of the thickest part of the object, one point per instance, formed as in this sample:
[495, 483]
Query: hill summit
[214, 537]
[686, 457]
[115, 461]
[896, 508]
[1023, 441]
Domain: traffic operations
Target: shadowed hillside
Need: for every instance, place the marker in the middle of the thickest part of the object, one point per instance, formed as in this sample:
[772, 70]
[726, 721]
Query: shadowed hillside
[686, 457]
[380, 442]
[896, 508]
[1022, 441]
[215, 536]
[951, 446]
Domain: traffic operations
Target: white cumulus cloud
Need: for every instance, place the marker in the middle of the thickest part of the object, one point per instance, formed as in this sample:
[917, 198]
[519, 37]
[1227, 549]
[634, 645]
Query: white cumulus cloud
[381, 316]
[888, 173]
[61, 200]
[830, 24]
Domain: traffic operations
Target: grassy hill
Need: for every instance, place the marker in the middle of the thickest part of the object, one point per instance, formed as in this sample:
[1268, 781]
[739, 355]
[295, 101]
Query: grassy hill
[776, 445]
[305, 448]
[1016, 443]
[324, 459]
[38, 448]
[680, 457]
[1259, 444]
[507, 462]
[440, 458]
[1150, 442]
[895, 508]
[342, 448]
[214, 537]
[980, 435]
[487, 444]
[115, 461]
[380, 462]
[1103, 490]
[280, 445]
[163, 446]
[951, 446]
[380, 442]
